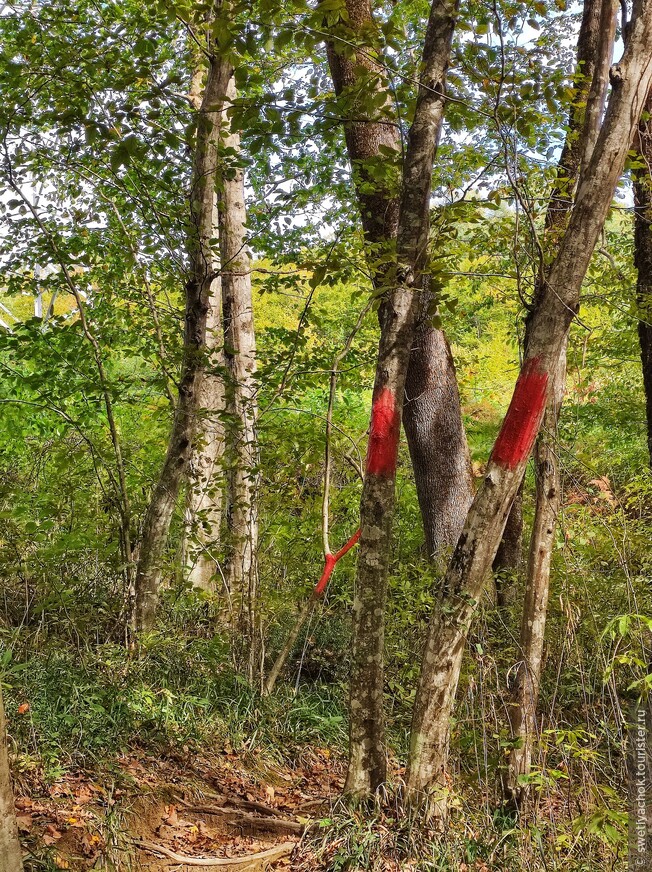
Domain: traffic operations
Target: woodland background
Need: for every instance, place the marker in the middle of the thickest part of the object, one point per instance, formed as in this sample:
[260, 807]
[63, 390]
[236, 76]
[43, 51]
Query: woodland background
[98, 135]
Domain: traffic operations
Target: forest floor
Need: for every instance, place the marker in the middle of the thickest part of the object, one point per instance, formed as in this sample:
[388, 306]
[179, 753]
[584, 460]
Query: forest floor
[228, 806]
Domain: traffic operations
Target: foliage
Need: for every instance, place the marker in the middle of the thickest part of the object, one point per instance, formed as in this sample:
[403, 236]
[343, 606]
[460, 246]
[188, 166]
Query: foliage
[97, 133]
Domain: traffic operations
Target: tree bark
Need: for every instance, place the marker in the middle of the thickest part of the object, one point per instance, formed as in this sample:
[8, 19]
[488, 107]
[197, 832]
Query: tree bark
[198, 291]
[548, 325]
[508, 557]
[10, 855]
[590, 86]
[432, 416]
[432, 419]
[643, 256]
[204, 504]
[240, 354]
[367, 762]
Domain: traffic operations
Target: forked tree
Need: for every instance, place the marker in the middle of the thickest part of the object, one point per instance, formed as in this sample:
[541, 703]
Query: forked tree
[432, 416]
[431, 410]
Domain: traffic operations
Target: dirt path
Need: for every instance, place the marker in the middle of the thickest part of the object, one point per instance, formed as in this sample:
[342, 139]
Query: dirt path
[191, 806]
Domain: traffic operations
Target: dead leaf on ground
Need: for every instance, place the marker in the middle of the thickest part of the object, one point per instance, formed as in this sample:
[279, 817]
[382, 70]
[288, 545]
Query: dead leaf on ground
[51, 835]
[24, 822]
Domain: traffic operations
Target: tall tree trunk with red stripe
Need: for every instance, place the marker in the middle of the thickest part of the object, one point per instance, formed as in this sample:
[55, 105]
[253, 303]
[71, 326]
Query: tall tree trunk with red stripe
[367, 761]
[594, 52]
[548, 326]
[432, 415]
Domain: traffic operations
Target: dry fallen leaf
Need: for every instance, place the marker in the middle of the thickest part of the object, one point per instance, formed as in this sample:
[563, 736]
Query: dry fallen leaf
[23, 708]
[172, 818]
[24, 822]
[50, 836]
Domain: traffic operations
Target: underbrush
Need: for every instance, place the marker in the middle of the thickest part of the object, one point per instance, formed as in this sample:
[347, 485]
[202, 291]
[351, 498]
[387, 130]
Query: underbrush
[381, 838]
[71, 708]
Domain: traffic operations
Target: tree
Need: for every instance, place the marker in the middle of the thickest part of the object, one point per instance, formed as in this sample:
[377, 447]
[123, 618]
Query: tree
[594, 52]
[432, 415]
[240, 353]
[204, 500]
[367, 763]
[198, 290]
[548, 325]
[642, 177]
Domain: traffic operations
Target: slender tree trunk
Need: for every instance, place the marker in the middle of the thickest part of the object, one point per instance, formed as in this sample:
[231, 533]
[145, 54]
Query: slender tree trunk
[199, 287]
[240, 343]
[548, 325]
[524, 694]
[10, 856]
[591, 80]
[508, 557]
[432, 415]
[367, 762]
[643, 256]
[204, 503]
[204, 498]
[594, 52]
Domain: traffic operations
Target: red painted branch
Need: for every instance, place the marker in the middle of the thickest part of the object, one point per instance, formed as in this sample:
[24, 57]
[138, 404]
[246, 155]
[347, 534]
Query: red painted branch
[330, 561]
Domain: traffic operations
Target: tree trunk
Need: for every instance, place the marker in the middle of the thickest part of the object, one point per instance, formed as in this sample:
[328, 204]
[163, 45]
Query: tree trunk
[643, 256]
[199, 288]
[204, 498]
[594, 52]
[508, 557]
[432, 415]
[591, 80]
[10, 855]
[367, 762]
[548, 325]
[240, 353]
[432, 418]
[524, 695]
[204, 501]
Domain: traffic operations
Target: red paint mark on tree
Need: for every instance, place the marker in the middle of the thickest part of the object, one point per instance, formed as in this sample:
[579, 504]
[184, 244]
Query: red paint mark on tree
[329, 565]
[384, 433]
[523, 417]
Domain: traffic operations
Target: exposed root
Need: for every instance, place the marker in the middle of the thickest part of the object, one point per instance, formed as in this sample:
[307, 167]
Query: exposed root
[256, 822]
[250, 805]
[274, 853]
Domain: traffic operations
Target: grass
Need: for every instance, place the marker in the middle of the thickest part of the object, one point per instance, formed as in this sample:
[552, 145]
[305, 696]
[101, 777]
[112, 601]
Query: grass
[86, 705]
[377, 838]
